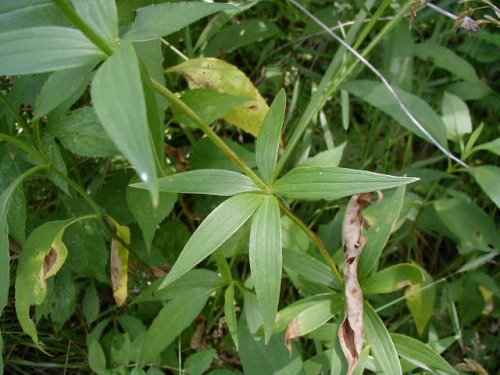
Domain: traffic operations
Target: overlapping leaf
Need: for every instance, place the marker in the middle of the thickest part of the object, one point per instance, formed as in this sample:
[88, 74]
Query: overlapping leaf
[312, 183]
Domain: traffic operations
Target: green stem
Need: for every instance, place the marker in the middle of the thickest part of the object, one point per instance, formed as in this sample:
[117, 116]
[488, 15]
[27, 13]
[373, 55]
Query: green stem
[83, 27]
[23, 146]
[173, 99]
[321, 246]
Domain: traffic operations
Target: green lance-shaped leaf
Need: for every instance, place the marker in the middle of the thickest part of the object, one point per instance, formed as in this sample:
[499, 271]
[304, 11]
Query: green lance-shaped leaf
[45, 49]
[173, 318]
[382, 347]
[488, 177]
[392, 278]
[224, 77]
[60, 86]
[266, 147]
[5, 199]
[378, 235]
[150, 21]
[312, 183]
[420, 354]
[493, 146]
[43, 255]
[101, 15]
[119, 102]
[445, 58]
[221, 224]
[206, 181]
[230, 314]
[147, 216]
[266, 261]
[378, 95]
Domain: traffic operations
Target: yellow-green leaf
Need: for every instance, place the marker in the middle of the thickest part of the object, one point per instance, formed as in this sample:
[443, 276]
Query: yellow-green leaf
[119, 264]
[221, 76]
[43, 255]
[420, 301]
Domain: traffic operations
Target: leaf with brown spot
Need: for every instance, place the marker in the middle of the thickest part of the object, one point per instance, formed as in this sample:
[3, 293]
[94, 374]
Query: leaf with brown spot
[351, 331]
[119, 264]
[221, 76]
[42, 256]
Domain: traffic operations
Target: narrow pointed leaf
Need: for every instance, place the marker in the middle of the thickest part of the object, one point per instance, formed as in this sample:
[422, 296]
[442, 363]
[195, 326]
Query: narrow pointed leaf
[172, 319]
[147, 216]
[60, 86]
[230, 314]
[420, 354]
[222, 222]
[378, 95]
[119, 102]
[206, 181]
[313, 183]
[265, 260]
[45, 49]
[392, 278]
[379, 234]
[42, 257]
[150, 21]
[267, 144]
[5, 200]
[382, 347]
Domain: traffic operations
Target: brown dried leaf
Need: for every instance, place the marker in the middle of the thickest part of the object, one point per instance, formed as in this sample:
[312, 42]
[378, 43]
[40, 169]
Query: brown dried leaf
[119, 264]
[351, 331]
[292, 332]
[49, 261]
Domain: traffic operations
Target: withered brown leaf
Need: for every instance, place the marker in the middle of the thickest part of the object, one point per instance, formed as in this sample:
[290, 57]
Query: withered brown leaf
[351, 331]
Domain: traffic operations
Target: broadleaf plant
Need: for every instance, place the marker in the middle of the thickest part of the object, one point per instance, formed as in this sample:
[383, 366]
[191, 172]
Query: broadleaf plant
[191, 187]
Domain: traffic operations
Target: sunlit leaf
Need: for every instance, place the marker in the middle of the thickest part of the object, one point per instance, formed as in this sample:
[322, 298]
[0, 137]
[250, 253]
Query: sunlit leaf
[224, 77]
[45, 49]
[312, 183]
[120, 105]
[456, 117]
[222, 222]
[230, 314]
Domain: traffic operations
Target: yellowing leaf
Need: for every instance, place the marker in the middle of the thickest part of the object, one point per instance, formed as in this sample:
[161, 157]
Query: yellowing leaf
[119, 264]
[420, 301]
[43, 255]
[221, 76]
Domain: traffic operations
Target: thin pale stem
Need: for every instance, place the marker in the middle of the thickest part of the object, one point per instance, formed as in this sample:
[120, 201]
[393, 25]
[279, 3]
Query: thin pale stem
[83, 27]
[173, 99]
[384, 80]
[319, 243]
